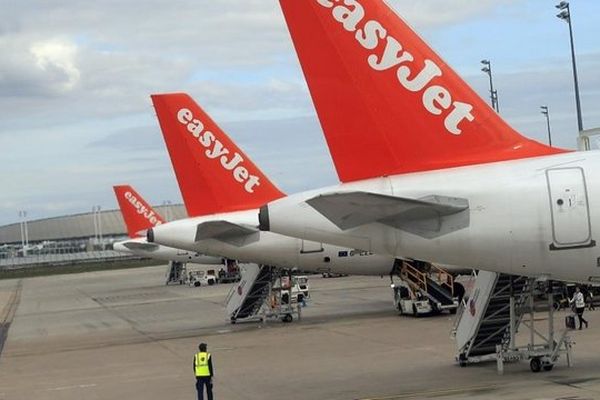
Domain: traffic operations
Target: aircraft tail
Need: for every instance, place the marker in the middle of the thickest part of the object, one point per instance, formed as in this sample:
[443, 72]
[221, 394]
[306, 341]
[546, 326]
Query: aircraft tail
[137, 213]
[214, 175]
[388, 104]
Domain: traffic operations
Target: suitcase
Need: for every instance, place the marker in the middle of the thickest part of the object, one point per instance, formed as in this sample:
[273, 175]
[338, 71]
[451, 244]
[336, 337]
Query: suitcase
[570, 321]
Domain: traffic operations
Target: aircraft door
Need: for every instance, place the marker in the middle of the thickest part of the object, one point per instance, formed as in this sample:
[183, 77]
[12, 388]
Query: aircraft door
[569, 208]
[311, 247]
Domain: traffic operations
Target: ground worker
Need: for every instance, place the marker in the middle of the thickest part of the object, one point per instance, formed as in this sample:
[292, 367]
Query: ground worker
[203, 369]
[579, 301]
[590, 298]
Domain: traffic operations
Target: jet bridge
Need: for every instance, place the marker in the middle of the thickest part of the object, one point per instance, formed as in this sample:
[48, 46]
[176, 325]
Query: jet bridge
[487, 324]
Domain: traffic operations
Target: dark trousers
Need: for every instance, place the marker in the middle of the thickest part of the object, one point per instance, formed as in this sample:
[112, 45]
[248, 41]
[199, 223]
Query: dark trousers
[580, 316]
[200, 383]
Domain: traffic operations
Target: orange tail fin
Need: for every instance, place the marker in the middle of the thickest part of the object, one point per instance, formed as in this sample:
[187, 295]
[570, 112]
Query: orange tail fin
[214, 175]
[387, 103]
[137, 214]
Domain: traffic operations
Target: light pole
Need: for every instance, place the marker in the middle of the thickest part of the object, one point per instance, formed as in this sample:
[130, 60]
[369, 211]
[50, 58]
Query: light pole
[565, 15]
[547, 114]
[167, 205]
[100, 227]
[26, 228]
[24, 231]
[97, 225]
[487, 68]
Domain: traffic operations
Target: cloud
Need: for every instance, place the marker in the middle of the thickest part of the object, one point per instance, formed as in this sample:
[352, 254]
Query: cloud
[137, 139]
[41, 69]
[522, 93]
[104, 58]
[57, 57]
[442, 13]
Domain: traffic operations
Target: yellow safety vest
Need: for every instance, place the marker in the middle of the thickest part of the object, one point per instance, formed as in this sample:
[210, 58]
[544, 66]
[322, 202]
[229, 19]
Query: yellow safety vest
[201, 364]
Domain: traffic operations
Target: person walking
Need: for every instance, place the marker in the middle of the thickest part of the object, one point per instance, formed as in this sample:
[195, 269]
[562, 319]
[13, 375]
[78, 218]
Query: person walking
[590, 298]
[203, 369]
[579, 301]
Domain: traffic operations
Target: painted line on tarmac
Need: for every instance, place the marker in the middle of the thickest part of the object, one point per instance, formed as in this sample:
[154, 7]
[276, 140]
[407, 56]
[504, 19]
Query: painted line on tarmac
[434, 393]
[132, 323]
[8, 313]
[84, 386]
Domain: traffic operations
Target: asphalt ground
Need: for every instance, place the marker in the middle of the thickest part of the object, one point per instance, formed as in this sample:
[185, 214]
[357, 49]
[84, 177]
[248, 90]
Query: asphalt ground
[125, 335]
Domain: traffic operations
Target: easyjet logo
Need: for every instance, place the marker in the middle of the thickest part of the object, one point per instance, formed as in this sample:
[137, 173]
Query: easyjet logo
[216, 150]
[141, 209]
[436, 99]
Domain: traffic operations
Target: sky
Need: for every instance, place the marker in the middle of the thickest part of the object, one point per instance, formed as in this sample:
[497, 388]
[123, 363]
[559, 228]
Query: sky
[75, 80]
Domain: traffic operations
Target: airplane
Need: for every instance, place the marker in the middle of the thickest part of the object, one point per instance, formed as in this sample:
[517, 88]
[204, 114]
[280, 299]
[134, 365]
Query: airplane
[139, 216]
[428, 170]
[222, 190]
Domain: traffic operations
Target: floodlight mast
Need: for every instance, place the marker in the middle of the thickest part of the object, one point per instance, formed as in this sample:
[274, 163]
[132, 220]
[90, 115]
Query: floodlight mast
[546, 112]
[487, 68]
[565, 15]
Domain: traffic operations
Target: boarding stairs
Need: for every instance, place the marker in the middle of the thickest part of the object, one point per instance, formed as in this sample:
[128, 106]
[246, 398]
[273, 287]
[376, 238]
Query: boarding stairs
[176, 273]
[490, 310]
[487, 324]
[246, 298]
[432, 282]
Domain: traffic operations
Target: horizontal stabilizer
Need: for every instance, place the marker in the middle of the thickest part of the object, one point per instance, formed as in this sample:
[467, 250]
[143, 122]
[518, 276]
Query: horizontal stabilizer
[429, 217]
[145, 246]
[225, 231]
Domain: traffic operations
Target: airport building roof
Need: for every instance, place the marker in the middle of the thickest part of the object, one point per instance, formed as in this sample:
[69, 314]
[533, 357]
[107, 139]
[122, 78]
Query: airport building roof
[79, 226]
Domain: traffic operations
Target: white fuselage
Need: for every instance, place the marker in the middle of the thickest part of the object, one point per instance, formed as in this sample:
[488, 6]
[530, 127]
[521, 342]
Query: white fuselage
[272, 249]
[141, 247]
[535, 217]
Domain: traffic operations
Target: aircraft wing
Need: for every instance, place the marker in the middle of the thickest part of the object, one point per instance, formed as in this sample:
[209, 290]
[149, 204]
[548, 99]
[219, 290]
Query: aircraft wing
[225, 231]
[429, 216]
[141, 246]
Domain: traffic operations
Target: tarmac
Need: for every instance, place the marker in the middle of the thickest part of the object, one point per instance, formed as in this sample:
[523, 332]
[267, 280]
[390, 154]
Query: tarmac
[125, 335]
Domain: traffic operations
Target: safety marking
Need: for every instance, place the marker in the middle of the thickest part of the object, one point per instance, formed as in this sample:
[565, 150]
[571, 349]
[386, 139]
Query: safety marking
[223, 348]
[72, 387]
[8, 313]
[433, 393]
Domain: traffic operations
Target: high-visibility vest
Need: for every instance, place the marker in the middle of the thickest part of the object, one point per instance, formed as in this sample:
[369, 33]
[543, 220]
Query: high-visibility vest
[579, 300]
[201, 364]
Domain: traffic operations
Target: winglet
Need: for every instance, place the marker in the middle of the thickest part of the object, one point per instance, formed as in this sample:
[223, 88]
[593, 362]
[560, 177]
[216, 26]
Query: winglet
[137, 213]
[214, 174]
[388, 104]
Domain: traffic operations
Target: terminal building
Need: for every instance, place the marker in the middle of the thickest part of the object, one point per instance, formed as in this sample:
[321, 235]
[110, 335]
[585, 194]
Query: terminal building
[67, 239]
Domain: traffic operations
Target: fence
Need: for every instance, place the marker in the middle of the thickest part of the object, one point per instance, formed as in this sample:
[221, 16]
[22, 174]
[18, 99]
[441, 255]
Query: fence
[63, 259]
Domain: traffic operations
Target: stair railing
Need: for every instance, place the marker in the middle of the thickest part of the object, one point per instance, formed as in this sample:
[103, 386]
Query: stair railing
[414, 276]
[444, 278]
